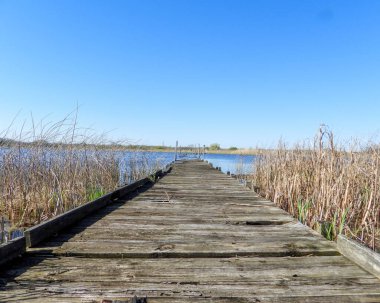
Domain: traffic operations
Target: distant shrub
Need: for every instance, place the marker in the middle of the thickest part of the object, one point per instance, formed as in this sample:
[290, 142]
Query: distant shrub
[215, 146]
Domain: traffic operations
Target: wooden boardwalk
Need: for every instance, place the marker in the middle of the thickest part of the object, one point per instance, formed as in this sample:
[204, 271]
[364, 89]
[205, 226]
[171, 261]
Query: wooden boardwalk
[195, 236]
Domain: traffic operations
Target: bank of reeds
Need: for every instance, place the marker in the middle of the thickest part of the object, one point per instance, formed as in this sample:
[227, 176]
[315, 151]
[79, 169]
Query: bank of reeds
[333, 190]
[39, 180]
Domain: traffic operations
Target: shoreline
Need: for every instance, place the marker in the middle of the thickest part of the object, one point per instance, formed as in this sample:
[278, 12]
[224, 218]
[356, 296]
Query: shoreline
[132, 148]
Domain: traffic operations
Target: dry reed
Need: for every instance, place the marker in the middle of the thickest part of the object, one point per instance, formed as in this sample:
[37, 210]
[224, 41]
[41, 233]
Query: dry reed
[52, 168]
[333, 190]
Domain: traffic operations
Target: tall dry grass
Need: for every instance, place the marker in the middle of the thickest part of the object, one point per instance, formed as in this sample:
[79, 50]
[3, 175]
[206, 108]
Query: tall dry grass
[53, 167]
[333, 190]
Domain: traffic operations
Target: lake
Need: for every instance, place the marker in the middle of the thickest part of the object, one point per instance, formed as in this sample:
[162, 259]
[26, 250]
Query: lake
[235, 164]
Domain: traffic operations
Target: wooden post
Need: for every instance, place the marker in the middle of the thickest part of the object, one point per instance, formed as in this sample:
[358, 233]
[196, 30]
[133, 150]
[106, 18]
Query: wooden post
[2, 230]
[176, 147]
[204, 151]
[199, 151]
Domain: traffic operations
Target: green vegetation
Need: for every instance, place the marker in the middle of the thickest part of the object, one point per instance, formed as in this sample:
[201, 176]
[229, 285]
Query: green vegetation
[233, 148]
[214, 146]
[95, 193]
[303, 208]
[332, 189]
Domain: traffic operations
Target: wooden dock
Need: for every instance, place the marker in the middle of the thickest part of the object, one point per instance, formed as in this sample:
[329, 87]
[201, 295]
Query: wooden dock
[197, 235]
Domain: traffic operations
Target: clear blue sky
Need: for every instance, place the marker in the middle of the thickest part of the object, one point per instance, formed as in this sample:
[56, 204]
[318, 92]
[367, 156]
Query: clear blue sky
[240, 73]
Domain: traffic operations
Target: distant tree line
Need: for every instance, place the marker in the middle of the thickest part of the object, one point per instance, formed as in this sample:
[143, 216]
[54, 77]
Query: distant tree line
[216, 146]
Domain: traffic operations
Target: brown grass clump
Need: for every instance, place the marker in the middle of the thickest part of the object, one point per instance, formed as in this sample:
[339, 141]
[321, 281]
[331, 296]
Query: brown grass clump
[331, 190]
[52, 168]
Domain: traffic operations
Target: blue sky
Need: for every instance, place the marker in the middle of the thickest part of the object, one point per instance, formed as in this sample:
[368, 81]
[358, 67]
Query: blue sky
[240, 73]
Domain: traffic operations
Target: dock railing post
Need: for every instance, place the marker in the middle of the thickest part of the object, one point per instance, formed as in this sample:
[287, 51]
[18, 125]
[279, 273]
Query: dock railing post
[2, 230]
[176, 147]
[204, 151]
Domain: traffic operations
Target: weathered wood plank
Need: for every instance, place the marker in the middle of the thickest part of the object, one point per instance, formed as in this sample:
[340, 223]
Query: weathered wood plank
[46, 229]
[195, 236]
[183, 278]
[363, 256]
[11, 250]
[166, 298]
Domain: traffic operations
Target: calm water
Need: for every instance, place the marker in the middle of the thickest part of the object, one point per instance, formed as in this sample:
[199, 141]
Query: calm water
[236, 164]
